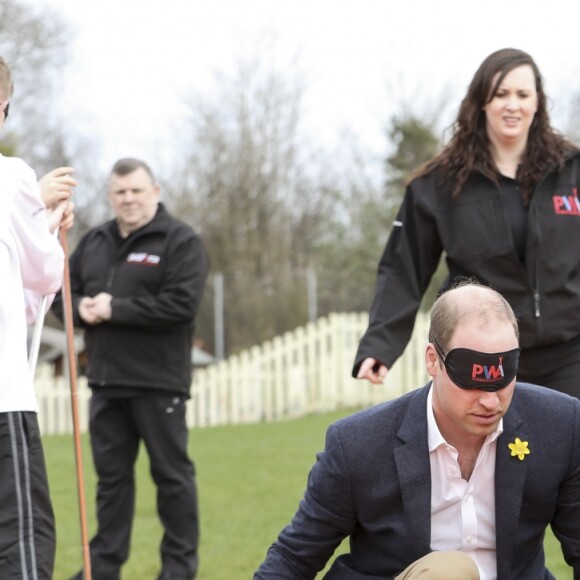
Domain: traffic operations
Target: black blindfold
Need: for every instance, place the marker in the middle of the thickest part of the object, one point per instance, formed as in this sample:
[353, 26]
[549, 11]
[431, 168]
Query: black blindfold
[471, 369]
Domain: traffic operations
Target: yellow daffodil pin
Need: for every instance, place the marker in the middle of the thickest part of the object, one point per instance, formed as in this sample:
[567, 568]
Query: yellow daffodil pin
[519, 448]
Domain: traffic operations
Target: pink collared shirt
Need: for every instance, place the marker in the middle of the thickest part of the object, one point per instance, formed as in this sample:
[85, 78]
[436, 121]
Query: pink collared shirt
[463, 512]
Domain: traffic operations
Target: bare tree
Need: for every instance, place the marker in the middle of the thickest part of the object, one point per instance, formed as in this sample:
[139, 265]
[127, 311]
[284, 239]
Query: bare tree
[252, 186]
[34, 40]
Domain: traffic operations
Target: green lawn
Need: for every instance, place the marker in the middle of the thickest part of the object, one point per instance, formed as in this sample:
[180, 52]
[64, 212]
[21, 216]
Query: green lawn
[250, 479]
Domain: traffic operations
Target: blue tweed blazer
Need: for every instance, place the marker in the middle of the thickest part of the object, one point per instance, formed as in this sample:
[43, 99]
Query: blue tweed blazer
[372, 483]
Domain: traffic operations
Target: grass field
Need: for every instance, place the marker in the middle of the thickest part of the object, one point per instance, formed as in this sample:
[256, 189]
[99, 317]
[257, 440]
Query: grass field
[250, 479]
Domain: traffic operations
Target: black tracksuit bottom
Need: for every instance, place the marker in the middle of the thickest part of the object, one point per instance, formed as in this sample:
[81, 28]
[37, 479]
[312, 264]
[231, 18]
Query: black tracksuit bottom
[117, 425]
[27, 535]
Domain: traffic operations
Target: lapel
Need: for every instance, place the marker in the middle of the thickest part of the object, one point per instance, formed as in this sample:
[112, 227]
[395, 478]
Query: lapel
[414, 471]
[510, 477]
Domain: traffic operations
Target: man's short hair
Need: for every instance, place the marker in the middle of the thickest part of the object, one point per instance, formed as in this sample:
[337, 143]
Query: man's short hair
[128, 165]
[487, 306]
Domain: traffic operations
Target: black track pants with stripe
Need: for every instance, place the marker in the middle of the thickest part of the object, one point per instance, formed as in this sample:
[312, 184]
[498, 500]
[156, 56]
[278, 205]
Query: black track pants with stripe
[27, 536]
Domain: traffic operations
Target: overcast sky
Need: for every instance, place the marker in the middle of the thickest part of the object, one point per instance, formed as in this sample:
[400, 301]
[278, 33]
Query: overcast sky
[134, 61]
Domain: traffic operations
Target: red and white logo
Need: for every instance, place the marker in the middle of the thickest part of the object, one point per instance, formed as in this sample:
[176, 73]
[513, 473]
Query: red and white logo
[567, 204]
[143, 258]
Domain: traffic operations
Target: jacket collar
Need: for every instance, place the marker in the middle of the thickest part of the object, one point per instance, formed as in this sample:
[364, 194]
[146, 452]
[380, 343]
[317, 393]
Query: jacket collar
[159, 223]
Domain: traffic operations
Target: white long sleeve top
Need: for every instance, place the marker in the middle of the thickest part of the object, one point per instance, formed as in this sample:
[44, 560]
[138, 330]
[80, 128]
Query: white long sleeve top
[32, 259]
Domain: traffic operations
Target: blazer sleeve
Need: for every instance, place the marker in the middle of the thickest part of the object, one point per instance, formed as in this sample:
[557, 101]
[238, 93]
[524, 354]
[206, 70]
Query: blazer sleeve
[566, 520]
[409, 260]
[325, 516]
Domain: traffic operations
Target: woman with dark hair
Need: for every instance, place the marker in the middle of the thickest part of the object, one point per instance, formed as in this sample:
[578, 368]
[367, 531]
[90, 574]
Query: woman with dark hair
[501, 201]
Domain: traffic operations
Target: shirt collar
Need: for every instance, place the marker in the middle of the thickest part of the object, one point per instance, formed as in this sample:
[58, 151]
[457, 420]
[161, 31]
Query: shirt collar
[434, 437]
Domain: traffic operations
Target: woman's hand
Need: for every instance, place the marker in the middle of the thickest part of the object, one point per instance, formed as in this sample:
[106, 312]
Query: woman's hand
[372, 370]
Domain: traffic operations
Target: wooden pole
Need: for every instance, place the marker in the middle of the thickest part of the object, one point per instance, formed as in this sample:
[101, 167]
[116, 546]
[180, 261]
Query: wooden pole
[72, 371]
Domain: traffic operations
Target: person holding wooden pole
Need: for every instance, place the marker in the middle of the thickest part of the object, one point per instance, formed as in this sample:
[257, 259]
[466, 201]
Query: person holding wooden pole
[31, 265]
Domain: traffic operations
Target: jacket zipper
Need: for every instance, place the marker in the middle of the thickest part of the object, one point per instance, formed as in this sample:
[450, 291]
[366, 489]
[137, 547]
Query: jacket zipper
[108, 285]
[535, 285]
[537, 305]
[110, 277]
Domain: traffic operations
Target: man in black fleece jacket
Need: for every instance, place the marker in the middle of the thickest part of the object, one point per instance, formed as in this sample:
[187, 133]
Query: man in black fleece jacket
[136, 285]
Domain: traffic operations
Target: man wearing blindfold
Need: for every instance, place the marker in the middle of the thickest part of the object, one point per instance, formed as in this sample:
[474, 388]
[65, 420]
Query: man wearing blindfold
[455, 480]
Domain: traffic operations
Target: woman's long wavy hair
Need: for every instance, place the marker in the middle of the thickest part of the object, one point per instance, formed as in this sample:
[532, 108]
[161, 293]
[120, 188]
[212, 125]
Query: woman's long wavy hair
[469, 147]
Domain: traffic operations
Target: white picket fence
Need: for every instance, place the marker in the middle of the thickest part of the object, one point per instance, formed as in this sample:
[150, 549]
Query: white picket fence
[304, 371]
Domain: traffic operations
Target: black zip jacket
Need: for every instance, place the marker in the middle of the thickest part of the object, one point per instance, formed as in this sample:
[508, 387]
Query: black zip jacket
[474, 232]
[156, 277]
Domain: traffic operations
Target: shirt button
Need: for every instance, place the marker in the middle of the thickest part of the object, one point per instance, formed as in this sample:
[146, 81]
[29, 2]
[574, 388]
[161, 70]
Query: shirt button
[469, 539]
